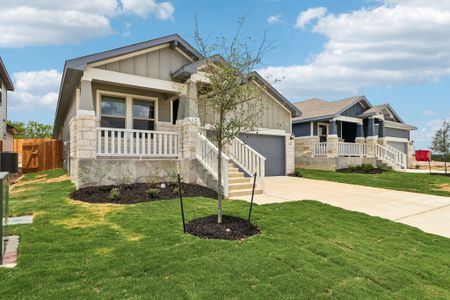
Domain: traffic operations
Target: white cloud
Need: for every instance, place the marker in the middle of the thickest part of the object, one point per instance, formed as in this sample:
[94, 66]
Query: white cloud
[34, 89]
[382, 46]
[309, 15]
[48, 22]
[143, 8]
[274, 19]
[424, 134]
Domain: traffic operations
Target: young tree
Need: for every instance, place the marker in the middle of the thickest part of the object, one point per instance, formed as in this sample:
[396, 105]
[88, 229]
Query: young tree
[233, 101]
[32, 130]
[441, 142]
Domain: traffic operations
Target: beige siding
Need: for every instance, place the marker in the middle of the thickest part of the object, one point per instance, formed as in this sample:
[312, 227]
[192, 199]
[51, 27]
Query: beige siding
[274, 116]
[156, 64]
[3, 111]
[9, 142]
[163, 103]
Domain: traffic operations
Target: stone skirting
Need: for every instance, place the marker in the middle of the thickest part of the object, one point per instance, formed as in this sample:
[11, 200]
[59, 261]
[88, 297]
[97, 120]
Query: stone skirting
[332, 163]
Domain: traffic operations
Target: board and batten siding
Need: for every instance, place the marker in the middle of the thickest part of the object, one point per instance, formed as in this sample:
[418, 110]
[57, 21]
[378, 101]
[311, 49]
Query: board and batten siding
[274, 115]
[3, 111]
[158, 64]
[354, 110]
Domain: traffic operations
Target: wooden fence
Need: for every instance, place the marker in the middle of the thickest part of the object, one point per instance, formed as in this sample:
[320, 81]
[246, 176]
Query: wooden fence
[37, 155]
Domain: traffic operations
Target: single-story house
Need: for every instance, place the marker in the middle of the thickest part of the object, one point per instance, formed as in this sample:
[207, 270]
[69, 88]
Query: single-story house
[133, 113]
[352, 131]
[6, 85]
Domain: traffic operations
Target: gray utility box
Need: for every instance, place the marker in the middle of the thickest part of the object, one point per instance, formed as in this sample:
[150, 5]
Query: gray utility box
[9, 162]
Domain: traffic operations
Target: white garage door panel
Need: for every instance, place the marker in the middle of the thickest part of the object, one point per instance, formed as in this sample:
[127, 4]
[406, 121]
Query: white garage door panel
[402, 147]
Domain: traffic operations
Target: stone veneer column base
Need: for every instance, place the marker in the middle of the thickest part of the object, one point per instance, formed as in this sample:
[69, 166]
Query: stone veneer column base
[372, 142]
[332, 145]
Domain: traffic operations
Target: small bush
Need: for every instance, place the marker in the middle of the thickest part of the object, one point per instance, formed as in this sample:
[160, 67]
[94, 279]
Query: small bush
[367, 167]
[352, 168]
[153, 193]
[114, 194]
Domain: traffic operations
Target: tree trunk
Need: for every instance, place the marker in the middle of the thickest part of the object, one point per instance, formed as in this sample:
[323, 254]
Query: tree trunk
[219, 183]
[219, 170]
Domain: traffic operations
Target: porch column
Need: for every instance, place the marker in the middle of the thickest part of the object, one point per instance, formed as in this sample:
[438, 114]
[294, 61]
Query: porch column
[332, 140]
[189, 123]
[83, 137]
[371, 138]
[360, 133]
[382, 140]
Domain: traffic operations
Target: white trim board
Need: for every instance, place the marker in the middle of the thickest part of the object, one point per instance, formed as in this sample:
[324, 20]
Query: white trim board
[135, 80]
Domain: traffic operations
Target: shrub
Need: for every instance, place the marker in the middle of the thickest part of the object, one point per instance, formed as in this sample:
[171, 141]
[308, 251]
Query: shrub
[352, 168]
[114, 194]
[153, 193]
[367, 167]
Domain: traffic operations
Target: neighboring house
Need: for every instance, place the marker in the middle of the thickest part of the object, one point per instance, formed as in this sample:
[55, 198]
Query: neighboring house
[333, 135]
[5, 86]
[133, 112]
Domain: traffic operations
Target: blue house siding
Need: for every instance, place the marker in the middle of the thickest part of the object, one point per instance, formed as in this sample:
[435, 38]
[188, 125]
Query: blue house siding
[354, 110]
[302, 129]
[398, 133]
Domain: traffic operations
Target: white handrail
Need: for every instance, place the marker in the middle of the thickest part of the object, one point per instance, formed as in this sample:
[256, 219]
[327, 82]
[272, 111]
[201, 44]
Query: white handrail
[136, 143]
[320, 149]
[249, 160]
[206, 153]
[392, 156]
[352, 149]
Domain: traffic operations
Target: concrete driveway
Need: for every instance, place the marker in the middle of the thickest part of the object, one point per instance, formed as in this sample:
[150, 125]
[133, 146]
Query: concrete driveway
[429, 213]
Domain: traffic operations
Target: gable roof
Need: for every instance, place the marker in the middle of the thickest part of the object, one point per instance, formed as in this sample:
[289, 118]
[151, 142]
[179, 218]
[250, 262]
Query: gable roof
[4, 76]
[73, 68]
[374, 110]
[186, 71]
[316, 108]
[276, 94]
[175, 40]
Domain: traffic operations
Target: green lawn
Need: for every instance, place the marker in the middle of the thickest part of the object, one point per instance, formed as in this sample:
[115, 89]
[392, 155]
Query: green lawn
[411, 182]
[306, 250]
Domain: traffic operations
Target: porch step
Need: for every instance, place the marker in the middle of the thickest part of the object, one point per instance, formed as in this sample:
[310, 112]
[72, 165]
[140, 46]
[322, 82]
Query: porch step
[233, 169]
[239, 186]
[236, 175]
[243, 192]
[239, 180]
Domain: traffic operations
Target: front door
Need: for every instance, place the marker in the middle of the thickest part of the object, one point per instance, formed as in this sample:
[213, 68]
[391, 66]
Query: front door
[323, 132]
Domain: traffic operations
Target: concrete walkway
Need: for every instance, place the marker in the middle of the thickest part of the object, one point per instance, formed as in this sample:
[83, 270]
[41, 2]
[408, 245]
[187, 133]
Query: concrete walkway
[429, 213]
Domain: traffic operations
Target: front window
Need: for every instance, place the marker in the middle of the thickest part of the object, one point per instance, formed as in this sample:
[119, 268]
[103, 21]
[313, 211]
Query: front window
[113, 112]
[143, 115]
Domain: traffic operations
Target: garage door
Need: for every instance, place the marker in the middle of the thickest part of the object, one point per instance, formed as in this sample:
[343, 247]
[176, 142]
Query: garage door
[272, 147]
[402, 147]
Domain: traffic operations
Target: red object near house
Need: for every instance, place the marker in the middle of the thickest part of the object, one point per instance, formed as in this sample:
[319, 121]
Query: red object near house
[423, 155]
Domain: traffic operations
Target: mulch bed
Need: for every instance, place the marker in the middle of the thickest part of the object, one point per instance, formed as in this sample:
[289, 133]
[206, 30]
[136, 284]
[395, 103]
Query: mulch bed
[137, 192]
[373, 171]
[231, 228]
[441, 174]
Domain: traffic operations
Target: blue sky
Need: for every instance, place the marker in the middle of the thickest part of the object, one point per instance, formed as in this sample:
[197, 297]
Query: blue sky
[395, 51]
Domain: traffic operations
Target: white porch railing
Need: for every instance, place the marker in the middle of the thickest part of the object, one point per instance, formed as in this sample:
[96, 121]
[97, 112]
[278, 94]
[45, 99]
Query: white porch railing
[137, 143]
[206, 153]
[249, 160]
[352, 149]
[320, 149]
[392, 156]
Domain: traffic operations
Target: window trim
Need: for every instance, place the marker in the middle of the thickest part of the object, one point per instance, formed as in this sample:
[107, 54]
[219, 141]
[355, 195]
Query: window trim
[128, 106]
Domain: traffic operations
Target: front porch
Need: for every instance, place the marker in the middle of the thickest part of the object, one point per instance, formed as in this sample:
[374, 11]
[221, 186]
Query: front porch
[342, 141]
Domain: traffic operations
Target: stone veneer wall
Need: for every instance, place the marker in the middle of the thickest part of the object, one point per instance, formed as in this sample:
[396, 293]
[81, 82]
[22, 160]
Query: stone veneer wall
[290, 154]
